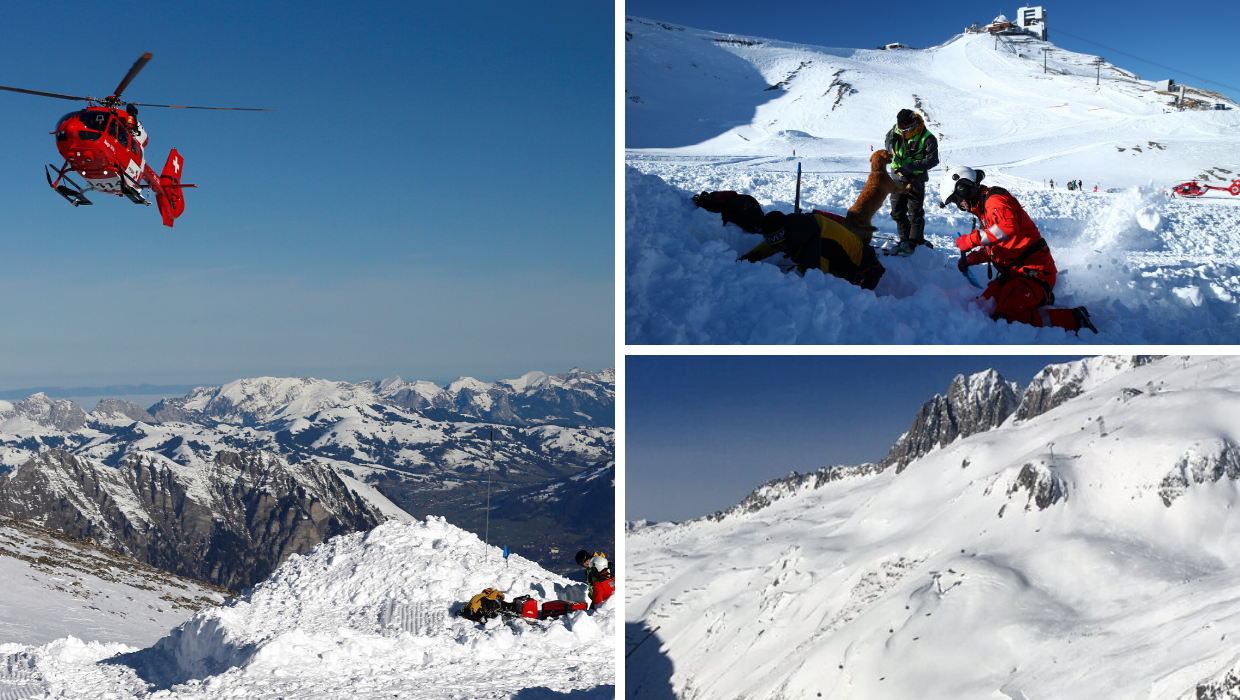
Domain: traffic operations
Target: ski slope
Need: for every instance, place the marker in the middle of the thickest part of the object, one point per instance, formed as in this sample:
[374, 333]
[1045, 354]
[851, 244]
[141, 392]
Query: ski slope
[365, 615]
[700, 115]
[1087, 552]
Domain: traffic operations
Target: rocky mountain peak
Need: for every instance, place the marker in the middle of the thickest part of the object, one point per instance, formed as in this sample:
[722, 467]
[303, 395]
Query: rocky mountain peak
[61, 414]
[973, 404]
[118, 409]
[1060, 383]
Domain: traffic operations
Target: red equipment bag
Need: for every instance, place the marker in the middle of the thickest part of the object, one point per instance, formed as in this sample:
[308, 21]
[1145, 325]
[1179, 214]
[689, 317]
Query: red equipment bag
[555, 608]
[524, 606]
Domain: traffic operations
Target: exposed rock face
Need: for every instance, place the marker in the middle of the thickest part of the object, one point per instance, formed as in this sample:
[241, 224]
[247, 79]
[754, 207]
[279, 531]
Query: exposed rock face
[174, 410]
[1197, 467]
[61, 414]
[231, 523]
[115, 409]
[972, 405]
[1057, 384]
[1044, 487]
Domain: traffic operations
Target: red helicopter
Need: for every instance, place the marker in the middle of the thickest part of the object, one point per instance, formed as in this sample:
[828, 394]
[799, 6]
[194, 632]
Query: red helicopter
[107, 147]
[1193, 189]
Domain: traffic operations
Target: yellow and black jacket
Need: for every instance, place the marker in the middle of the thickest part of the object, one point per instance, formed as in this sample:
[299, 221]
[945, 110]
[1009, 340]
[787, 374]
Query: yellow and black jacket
[815, 241]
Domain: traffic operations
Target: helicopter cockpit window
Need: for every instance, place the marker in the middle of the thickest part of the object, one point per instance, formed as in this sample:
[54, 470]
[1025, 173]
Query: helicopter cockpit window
[97, 121]
[118, 132]
[61, 122]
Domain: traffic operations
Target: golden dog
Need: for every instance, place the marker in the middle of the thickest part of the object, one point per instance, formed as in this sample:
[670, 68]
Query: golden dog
[877, 188]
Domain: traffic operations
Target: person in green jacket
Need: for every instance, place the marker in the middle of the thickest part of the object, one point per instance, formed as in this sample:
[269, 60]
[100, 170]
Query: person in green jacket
[914, 151]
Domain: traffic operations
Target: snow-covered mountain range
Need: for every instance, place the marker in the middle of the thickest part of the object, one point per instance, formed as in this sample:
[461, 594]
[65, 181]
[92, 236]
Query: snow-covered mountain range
[1080, 546]
[365, 615]
[711, 111]
[271, 466]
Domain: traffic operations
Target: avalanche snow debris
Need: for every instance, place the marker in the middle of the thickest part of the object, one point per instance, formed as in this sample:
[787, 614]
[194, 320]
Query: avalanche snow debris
[362, 615]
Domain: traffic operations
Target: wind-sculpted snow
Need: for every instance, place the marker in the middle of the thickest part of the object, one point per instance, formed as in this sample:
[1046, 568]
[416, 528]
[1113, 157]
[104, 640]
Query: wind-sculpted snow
[1084, 552]
[1149, 269]
[321, 627]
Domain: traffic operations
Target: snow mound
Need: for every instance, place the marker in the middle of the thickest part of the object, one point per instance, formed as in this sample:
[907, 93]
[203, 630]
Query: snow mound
[371, 611]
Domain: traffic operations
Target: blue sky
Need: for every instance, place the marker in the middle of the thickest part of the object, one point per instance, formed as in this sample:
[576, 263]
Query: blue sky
[1199, 39]
[702, 432]
[433, 198]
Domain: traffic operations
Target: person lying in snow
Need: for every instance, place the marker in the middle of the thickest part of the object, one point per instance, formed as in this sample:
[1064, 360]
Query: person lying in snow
[600, 581]
[815, 241]
[1010, 240]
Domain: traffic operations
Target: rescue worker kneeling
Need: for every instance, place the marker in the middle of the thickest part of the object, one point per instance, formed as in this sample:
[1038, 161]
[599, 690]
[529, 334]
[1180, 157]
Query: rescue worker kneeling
[1009, 239]
[814, 241]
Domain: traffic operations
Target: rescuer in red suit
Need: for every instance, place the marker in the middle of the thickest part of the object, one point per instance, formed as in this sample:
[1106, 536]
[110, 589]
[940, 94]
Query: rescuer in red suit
[599, 578]
[1008, 239]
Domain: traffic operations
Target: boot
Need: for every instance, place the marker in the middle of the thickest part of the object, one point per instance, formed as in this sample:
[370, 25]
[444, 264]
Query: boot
[1081, 315]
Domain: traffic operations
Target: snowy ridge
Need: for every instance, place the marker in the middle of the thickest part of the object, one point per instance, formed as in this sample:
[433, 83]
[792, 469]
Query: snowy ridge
[1083, 552]
[1058, 383]
[700, 117]
[317, 628]
[70, 586]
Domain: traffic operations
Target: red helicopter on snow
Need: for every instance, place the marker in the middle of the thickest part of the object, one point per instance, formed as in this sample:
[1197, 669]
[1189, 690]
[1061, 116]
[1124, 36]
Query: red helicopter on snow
[107, 147]
[1194, 189]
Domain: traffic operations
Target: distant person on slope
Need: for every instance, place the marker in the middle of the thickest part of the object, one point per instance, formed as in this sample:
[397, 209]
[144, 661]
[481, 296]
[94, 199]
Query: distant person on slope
[914, 151]
[1010, 240]
[815, 241]
[600, 581]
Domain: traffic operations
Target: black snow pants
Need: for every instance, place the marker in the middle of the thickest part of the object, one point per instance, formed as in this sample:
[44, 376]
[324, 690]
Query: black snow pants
[908, 211]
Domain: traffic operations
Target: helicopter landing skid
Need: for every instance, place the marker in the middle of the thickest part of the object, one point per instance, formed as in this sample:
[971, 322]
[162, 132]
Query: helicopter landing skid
[133, 193]
[71, 191]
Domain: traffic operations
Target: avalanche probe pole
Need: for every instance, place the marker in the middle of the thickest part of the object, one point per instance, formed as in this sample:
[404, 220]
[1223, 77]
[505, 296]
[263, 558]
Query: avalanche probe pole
[797, 206]
[486, 541]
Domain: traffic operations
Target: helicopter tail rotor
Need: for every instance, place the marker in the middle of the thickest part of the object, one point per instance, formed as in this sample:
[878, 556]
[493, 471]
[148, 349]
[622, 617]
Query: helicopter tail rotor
[168, 195]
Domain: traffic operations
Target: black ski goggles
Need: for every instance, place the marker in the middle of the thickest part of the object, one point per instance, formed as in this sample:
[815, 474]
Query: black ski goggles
[907, 129]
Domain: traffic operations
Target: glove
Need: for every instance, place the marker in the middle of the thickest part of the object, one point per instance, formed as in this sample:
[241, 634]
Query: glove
[902, 172]
[968, 241]
[962, 264]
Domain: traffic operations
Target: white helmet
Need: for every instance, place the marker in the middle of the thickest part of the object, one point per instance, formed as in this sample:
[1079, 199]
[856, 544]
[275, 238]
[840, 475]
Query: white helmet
[599, 563]
[959, 185]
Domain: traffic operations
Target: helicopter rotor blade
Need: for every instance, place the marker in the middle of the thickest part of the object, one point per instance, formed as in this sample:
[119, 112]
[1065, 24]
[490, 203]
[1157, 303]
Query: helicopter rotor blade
[235, 109]
[44, 94]
[133, 73]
